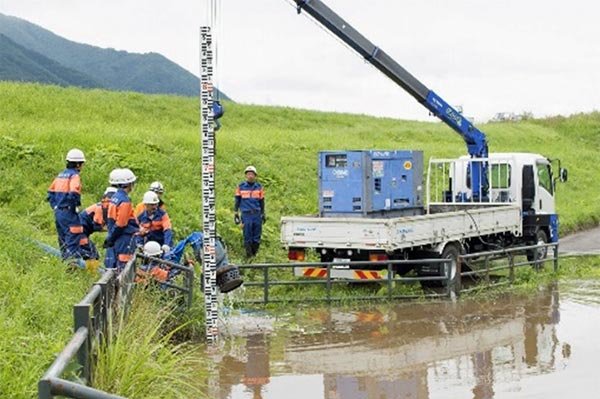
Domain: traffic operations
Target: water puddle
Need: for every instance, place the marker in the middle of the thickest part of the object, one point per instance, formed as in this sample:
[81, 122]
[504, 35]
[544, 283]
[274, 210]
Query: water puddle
[544, 345]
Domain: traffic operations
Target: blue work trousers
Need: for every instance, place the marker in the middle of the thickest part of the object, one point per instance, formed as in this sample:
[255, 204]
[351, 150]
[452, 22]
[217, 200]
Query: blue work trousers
[252, 227]
[119, 254]
[70, 232]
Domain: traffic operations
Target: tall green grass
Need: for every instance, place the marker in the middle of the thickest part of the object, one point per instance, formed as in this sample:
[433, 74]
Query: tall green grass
[36, 308]
[141, 360]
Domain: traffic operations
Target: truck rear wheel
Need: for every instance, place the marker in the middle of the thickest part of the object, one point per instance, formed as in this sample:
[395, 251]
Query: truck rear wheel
[451, 251]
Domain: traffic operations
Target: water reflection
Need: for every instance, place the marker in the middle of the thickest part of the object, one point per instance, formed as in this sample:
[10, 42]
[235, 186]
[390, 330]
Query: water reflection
[463, 349]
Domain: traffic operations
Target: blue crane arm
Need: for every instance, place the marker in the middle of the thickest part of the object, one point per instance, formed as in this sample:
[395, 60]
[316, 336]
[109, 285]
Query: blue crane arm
[475, 139]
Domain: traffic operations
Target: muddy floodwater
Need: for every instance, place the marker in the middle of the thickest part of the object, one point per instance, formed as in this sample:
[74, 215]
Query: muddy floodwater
[543, 345]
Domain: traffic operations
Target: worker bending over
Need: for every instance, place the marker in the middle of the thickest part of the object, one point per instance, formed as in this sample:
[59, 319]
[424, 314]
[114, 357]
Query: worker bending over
[93, 219]
[250, 200]
[155, 224]
[64, 196]
[121, 222]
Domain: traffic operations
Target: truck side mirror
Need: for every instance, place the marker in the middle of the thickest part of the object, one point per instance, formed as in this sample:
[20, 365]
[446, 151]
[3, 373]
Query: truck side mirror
[563, 174]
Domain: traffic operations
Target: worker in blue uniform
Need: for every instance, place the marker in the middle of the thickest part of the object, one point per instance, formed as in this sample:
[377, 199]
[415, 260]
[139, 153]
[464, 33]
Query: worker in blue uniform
[64, 196]
[250, 200]
[121, 222]
[155, 224]
[93, 219]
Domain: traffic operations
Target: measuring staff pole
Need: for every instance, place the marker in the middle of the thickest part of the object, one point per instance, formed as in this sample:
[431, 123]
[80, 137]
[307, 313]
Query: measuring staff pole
[209, 219]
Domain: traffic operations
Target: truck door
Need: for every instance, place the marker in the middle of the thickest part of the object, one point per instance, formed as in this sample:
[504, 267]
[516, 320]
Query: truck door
[544, 201]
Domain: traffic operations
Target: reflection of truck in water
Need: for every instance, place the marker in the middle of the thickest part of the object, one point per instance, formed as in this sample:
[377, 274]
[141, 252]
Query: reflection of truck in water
[371, 203]
[406, 351]
[483, 345]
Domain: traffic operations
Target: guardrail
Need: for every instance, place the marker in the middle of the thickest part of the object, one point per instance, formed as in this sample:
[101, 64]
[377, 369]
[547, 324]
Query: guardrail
[481, 264]
[451, 277]
[329, 282]
[92, 320]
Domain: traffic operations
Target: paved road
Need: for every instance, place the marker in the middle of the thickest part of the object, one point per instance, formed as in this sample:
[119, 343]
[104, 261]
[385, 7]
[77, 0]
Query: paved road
[582, 242]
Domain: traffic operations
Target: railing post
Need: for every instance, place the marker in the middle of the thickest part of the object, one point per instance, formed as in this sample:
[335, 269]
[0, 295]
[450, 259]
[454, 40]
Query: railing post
[536, 256]
[81, 314]
[44, 389]
[555, 261]
[458, 283]
[329, 283]
[511, 268]
[487, 269]
[266, 284]
[189, 281]
[449, 282]
[389, 281]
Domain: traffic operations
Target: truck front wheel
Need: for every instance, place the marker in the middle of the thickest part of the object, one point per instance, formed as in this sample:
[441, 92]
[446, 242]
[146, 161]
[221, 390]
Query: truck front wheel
[541, 238]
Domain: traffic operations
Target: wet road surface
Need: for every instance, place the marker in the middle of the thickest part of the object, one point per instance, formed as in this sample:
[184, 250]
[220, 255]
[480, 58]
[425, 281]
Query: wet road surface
[584, 242]
[545, 345]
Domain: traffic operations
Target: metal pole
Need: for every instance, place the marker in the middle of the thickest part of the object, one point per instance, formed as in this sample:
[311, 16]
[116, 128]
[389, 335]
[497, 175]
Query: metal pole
[458, 282]
[209, 263]
[555, 261]
[266, 284]
[81, 314]
[511, 270]
[329, 283]
[389, 281]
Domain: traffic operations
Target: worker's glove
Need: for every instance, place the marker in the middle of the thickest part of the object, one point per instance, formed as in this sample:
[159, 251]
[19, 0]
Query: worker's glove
[165, 248]
[263, 218]
[108, 244]
[236, 218]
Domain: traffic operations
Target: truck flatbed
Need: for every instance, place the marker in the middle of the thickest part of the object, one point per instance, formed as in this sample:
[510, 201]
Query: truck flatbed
[402, 232]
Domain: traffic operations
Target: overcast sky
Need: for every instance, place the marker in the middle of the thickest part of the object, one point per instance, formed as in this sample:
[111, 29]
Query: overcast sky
[486, 55]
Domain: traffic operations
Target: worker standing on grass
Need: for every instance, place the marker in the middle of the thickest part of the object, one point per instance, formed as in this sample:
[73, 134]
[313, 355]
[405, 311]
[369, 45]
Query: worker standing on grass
[250, 200]
[93, 219]
[154, 222]
[121, 222]
[159, 189]
[64, 196]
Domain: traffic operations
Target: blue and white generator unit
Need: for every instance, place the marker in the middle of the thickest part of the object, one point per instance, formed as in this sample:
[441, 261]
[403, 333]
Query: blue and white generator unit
[371, 183]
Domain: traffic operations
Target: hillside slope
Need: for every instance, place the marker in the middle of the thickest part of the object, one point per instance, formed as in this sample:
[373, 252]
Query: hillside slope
[158, 137]
[116, 70]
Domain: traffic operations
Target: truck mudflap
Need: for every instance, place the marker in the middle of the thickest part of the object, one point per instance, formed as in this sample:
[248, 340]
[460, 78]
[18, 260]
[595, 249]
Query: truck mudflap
[340, 273]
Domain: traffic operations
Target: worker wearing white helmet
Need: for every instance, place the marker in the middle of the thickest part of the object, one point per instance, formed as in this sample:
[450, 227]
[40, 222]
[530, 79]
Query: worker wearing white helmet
[152, 269]
[121, 222]
[159, 189]
[64, 196]
[250, 200]
[155, 224]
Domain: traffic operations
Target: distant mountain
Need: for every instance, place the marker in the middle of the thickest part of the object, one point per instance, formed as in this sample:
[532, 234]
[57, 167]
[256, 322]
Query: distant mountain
[21, 64]
[85, 65]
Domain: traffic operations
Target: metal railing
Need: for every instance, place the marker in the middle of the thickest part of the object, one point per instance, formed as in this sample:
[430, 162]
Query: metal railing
[450, 277]
[328, 281]
[482, 264]
[92, 320]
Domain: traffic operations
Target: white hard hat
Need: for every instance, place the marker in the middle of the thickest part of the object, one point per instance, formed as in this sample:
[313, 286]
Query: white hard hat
[109, 190]
[152, 248]
[121, 176]
[250, 168]
[157, 187]
[75, 155]
[150, 197]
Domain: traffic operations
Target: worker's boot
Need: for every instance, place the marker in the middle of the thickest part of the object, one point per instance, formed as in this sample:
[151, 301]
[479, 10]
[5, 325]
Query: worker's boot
[255, 246]
[249, 250]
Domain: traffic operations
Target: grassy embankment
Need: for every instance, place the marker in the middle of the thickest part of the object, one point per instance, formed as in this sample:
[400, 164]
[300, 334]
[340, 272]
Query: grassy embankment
[158, 137]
